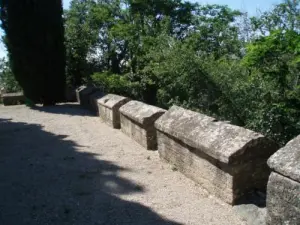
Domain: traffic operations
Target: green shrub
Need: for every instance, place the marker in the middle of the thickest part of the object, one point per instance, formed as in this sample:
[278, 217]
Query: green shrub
[116, 84]
[7, 79]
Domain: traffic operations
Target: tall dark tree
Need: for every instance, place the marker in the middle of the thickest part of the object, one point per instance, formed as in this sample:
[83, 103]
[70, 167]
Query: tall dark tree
[34, 37]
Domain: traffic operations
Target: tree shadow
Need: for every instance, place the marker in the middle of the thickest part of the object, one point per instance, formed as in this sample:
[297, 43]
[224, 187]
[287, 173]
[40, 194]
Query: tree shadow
[46, 180]
[73, 109]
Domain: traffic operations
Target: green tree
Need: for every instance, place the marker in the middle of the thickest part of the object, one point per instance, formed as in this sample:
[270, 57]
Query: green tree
[215, 32]
[284, 16]
[277, 58]
[80, 36]
[34, 37]
[7, 79]
[275, 54]
[207, 58]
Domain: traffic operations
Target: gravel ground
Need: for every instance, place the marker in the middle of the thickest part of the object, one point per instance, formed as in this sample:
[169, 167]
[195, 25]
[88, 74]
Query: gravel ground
[61, 165]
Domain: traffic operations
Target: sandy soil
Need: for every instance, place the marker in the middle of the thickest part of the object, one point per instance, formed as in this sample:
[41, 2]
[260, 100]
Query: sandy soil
[61, 165]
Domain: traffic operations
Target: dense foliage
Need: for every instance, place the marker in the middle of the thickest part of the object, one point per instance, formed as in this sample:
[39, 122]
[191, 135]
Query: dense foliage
[34, 37]
[8, 82]
[207, 58]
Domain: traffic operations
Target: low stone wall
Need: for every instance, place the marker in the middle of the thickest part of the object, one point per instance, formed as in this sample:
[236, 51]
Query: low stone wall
[13, 99]
[83, 95]
[70, 94]
[227, 160]
[137, 121]
[78, 91]
[108, 107]
[283, 195]
[93, 101]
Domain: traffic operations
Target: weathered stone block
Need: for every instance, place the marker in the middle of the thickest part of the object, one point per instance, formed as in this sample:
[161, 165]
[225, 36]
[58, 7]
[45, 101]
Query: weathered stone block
[137, 121]
[78, 91]
[70, 94]
[283, 200]
[83, 95]
[109, 106]
[283, 195]
[13, 99]
[227, 160]
[94, 101]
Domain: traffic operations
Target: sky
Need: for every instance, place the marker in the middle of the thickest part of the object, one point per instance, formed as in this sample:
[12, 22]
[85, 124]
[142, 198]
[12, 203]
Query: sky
[246, 5]
[250, 6]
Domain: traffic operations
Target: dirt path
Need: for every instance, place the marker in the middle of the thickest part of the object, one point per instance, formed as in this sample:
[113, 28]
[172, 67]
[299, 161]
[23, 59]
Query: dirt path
[61, 166]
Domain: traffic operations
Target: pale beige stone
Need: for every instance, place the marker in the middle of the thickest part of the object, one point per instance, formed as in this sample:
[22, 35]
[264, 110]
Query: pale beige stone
[286, 161]
[137, 121]
[283, 197]
[78, 91]
[83, 95]
[283, 200]
[227, 160]
[108, 107]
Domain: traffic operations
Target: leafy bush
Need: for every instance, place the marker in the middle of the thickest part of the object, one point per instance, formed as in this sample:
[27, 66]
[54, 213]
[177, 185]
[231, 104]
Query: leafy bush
[113, 83]
[254, 101]
[7, 79]
[207, 58]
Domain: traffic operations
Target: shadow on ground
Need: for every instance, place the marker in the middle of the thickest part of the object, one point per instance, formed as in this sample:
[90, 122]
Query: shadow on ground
[44, 180]
[73, 109]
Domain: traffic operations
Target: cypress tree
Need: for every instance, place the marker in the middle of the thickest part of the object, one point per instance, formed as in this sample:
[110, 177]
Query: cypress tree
[34, 37]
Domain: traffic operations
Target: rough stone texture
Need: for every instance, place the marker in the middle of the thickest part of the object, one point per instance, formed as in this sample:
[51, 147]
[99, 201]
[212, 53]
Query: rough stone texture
[109, 106]
[227, 160]
[13, 99]
[283, 201]
[83, 95]
[137, 121]
[286, 161]
[94, 101]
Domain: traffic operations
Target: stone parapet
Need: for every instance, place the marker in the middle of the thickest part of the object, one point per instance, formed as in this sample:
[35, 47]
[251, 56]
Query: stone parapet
[227, 160]
[137, 121]
[93, 101]
[13, 98]
[78, 91]
[109, 106]
[283, 195]
[83, 95]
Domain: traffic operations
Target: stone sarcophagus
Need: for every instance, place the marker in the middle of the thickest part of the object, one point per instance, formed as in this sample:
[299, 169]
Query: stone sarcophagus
[108, 107]
[13, 99]
[283, 194]
[70, 94]
[227, 160]
[93, 98]
[78, 91]
[83, 95]
[137, 121]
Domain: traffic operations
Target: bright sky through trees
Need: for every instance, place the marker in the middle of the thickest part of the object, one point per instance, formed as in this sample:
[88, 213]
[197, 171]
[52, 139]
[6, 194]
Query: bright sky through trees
[250, 6]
